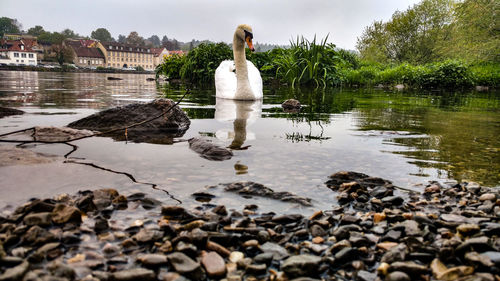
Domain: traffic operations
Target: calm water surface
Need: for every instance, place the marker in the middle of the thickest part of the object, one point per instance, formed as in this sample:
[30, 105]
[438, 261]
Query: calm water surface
[409, 138]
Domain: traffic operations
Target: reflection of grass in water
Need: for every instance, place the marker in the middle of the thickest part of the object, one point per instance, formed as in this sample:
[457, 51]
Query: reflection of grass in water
[298, 137]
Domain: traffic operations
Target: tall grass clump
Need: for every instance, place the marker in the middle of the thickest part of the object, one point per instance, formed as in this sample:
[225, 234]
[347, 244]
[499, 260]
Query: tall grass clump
[307, 63]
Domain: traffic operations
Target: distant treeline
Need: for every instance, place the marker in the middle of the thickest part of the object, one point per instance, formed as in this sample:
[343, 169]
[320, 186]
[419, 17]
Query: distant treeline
[12, 26]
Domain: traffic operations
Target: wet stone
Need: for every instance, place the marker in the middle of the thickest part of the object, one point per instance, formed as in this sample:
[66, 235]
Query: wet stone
[186, 266]
[276, 250]
[15, 273]
[256, 269]
[408, 267]
[208, 150]
[264, 258]
[152, 260]
[346, 255]
[41, 219]
[364, 275]
[134, 274]
[214, 264]
[301, 265]
[397, 276]
[63, 214]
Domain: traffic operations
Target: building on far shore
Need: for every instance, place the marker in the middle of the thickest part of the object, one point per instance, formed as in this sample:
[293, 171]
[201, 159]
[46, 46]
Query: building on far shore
[120, 55]
[159, 54]
[17, 52]
[86, 53]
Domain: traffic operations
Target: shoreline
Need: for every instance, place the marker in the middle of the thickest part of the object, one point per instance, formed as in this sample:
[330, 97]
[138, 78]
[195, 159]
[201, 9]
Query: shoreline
[449, 232]
[71, 70]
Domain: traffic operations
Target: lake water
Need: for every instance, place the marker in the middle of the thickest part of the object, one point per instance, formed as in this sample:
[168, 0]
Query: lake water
[409, 138]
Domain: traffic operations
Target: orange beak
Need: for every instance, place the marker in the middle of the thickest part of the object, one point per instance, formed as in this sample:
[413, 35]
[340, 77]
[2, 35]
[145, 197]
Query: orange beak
[249, 43]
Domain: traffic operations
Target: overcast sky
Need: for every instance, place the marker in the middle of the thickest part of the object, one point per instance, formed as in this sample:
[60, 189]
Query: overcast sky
[273, 21]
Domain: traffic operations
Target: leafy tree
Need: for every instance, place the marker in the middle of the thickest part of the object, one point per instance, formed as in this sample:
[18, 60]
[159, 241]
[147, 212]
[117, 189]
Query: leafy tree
[68, 33]
[8, 25]
[62, 53]
[164, 41]
[155, 41]
[475, 31]
[372, 43]
[134, 39]
[36, 31]
[122, 38]
[51, 38]
[102, 34]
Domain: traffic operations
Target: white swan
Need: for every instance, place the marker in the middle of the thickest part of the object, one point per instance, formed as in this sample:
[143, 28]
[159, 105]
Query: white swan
[246, 83]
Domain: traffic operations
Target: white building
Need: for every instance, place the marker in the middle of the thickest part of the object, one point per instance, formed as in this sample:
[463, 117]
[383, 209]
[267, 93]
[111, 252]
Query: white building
[17, 52]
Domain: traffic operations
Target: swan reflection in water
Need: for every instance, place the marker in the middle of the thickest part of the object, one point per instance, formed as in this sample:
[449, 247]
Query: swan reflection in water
[241, 113]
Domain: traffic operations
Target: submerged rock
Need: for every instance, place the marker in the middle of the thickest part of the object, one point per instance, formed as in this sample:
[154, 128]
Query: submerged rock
[209, 150]
[58, 134]
[160, 130]
[257, 189]
[20, 156]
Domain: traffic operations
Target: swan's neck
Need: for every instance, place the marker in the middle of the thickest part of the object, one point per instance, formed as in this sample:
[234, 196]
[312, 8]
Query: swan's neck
[243, 90]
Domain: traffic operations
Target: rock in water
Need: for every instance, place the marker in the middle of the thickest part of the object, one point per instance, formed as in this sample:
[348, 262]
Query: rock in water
[291, 105]
[59, 134]
[5, 111]
[257, 189]
[161, 130]
[209, 150]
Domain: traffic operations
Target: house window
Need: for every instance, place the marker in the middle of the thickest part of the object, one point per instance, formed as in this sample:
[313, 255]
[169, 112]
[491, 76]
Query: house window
[16, 55]
[111, 47]
[23, 55]
[81, 61]
[22, 47]
[30, 56]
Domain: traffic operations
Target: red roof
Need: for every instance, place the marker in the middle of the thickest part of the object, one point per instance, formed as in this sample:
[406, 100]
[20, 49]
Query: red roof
[16, 45]
[157, 51]
[177, 52]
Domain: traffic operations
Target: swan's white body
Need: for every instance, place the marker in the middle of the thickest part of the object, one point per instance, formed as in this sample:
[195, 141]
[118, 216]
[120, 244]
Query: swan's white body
[226, 81]
[239, 79]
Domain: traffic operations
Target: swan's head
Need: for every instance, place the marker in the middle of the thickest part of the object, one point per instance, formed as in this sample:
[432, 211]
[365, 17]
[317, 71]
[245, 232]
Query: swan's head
[244, 32]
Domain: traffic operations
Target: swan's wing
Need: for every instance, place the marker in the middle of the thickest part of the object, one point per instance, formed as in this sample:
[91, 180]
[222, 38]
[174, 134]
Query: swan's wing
[225, 80]
[255, 80]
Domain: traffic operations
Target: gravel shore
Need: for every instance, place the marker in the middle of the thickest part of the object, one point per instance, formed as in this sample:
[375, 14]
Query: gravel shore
[449, 232]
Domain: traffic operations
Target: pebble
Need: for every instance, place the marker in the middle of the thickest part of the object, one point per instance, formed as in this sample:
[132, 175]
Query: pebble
[301, 265]
[214, 264]
[134, 274]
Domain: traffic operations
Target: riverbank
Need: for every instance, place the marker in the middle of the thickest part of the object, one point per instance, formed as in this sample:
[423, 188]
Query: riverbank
[449, 232]
[66, 68]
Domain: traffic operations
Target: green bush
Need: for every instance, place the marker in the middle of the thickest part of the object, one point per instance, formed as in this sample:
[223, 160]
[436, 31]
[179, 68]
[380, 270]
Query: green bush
[201, 62]
[447, 74]
[486, 74]
[171, 67]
